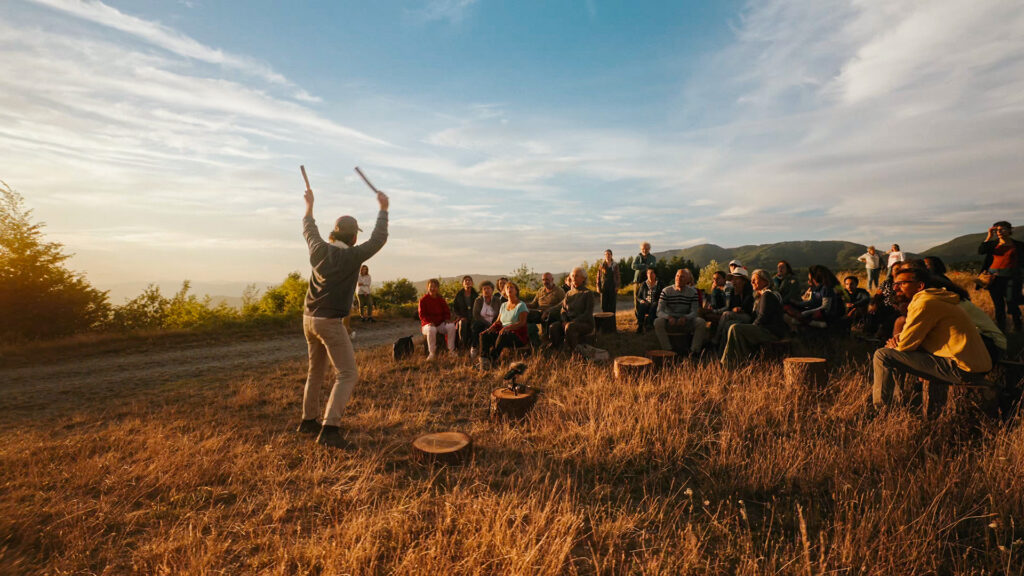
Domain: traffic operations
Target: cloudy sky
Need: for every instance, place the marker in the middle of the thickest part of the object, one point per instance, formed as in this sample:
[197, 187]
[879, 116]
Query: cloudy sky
[161, 140]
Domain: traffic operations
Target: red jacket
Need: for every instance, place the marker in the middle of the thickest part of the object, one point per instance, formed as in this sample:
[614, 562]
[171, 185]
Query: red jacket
[433, 310]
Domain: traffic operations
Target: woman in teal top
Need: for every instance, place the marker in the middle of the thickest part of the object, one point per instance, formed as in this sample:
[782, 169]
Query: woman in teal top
[509, 330]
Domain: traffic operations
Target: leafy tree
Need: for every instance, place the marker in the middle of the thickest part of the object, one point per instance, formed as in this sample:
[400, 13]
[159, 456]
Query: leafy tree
[525, 278]
[706, 273]
[39, 296]
[147, 310]
[449, 288]
[666, 269]
[288, 297]
[395, 293]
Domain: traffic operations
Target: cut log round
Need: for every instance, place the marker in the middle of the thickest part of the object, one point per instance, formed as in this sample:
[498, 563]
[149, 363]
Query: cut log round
[605, 322]
[662, 358]
[507, 404]
[627, 367]
[811, 373]
[443, 446]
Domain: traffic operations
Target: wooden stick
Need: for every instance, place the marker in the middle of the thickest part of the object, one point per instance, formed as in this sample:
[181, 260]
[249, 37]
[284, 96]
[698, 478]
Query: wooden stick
[303, 168]
[367, 180]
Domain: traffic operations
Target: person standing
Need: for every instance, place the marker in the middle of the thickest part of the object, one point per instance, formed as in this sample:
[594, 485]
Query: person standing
[1004, 257]
[895, 255]
[644, 261]
[363, 295]
[608, 282]
[336, 264]
[872, 265]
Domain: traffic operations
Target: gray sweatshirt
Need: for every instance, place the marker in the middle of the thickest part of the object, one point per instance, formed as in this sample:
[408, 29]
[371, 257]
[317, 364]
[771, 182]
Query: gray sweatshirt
[332, 282]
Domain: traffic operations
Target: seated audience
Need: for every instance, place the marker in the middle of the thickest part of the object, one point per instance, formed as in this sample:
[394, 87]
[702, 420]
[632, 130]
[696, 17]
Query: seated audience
[509, 330]
[939, 342]
[859, 298]
[715, 300]
[485, 312]
[545, 304]
[462, 312]
[786, 284]
[743, 340]
[500, 292]
[645, 302]
[825, 304]
[740, 306]
[435, 317]
[576, 316]
[677, 313]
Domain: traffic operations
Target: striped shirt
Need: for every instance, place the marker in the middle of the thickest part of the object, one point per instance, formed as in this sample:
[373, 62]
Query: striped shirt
[676, 303]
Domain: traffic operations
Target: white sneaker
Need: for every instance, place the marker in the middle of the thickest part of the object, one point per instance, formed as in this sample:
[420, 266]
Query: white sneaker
[431, 357]
[472, 352]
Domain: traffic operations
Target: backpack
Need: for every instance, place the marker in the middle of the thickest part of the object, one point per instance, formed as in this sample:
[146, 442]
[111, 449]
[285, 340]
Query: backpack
[402, 349]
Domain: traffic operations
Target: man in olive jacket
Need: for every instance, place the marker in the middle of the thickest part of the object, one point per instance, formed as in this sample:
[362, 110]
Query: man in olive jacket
[332, 285]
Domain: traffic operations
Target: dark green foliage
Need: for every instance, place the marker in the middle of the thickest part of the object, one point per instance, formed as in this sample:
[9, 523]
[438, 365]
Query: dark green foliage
[394, 293]
[39, 296]
[285, 298]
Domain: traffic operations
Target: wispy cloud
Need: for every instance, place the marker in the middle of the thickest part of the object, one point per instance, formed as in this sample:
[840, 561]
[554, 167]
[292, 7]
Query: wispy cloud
[453, 11]
[169, 39]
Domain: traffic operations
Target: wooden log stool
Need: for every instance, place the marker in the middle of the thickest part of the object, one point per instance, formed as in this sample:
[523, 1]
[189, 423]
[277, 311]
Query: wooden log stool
[662, 358]
[507, 404]
[446, 447]
[604, 322]
[806, 373]
[629, 367]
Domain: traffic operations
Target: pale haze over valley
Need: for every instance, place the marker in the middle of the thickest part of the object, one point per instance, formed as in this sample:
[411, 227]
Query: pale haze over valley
[160, 141]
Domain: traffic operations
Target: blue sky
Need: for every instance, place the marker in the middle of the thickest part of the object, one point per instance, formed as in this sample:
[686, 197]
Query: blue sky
[161, 140]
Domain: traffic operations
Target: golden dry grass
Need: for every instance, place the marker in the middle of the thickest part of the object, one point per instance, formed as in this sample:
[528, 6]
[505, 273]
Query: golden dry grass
[695, 470]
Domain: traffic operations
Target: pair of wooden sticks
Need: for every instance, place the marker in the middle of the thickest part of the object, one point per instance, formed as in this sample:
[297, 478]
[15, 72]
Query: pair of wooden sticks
[358, 171]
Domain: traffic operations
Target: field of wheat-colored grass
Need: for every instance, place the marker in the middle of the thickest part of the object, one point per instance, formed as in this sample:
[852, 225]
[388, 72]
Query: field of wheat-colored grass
[693, 470]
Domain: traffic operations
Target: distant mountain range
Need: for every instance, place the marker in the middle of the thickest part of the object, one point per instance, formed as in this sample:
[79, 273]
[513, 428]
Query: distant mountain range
[836, 254]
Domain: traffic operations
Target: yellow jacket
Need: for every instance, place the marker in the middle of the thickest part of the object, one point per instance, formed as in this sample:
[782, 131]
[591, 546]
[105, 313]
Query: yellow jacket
[937, 325]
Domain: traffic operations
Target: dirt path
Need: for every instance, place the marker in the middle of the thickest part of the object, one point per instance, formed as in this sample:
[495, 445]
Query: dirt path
[108, 374]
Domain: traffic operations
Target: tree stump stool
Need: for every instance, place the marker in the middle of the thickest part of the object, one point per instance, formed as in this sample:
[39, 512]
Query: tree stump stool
[627, 367]
[661, 358]
[447, 447]
[507, 404]
[807, 373]
[604, 322]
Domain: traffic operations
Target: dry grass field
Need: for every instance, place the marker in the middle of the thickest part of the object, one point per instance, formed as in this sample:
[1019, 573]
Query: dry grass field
[695, 470]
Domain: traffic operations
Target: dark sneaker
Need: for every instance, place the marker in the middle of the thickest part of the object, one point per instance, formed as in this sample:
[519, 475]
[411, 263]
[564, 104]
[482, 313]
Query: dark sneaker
[331, 436]
[311, 426]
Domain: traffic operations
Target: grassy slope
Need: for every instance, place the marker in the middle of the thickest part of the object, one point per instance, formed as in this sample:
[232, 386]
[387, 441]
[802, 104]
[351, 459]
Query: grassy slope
[696, 470]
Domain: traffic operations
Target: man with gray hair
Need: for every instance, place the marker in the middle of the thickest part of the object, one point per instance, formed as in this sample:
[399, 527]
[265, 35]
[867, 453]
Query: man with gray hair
[576, 314]
[678, 306]
[332, 285]
[769, 325]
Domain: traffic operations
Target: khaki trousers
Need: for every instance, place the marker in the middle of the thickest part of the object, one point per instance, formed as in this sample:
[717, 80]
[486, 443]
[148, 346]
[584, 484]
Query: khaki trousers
[329, 345]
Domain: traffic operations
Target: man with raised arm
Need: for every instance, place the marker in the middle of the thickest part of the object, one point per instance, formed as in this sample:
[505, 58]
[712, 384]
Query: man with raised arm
[332, 282]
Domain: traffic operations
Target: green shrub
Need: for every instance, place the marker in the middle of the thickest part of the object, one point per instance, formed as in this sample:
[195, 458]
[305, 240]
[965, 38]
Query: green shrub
[288, 297]
[39, 297]
[394, 293]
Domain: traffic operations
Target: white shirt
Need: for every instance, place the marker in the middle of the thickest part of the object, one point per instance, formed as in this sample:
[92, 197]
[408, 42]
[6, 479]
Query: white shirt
[895, 257]
[363, 284]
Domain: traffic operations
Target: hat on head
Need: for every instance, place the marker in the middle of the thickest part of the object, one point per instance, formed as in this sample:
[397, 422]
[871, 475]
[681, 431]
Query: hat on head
[741, 271]
[346, 226]
[735, 263]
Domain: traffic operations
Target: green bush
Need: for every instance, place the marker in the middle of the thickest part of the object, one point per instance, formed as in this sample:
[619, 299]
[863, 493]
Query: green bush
[394, 293]
[288, 297]
[39, 297]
